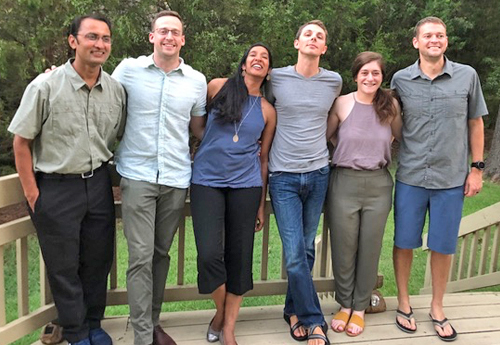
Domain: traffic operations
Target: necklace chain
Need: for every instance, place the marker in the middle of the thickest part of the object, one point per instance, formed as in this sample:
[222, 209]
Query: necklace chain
[236, 138]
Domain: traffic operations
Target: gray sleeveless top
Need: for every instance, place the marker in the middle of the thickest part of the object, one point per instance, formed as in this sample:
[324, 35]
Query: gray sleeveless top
[363, 143]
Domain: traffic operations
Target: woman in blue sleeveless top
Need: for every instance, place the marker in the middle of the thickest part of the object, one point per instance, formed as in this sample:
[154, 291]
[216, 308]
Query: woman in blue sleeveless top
[229, 186]
[359, 195]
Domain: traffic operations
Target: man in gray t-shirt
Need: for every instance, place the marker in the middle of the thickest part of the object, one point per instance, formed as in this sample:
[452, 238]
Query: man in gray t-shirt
[442, 107]
[298, 164]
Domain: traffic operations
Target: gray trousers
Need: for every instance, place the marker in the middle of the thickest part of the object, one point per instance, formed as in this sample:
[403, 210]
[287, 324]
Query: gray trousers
[358, 203]
[151, 215]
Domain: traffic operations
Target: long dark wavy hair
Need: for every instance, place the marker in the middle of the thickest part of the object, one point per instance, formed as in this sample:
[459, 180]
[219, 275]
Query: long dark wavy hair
[228, 102]
[384, 99]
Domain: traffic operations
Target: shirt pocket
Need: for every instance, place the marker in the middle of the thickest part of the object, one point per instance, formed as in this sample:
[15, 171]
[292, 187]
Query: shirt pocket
[413, 104]
[108, 119]
[456, 103]
[68, 119]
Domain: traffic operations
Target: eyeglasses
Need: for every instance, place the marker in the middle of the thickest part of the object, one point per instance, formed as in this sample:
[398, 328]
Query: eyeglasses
[95, 38]
[165, 31]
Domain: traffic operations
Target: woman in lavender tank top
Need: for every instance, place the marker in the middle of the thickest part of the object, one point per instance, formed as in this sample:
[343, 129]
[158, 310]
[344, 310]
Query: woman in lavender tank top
[360, 189]
[229, 187]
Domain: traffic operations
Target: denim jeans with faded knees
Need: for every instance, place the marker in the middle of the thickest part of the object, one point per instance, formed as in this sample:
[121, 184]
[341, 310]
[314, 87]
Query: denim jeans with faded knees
[297, 200]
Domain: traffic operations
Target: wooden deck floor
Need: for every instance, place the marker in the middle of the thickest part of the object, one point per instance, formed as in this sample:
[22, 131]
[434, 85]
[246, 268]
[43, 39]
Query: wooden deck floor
[475, 316]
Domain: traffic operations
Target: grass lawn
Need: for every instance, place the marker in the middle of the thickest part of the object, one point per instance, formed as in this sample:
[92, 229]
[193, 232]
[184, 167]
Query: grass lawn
[489, 196]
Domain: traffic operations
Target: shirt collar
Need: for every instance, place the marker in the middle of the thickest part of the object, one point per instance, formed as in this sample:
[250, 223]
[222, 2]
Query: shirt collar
[74, 78]
[417, 72]
[149, 61]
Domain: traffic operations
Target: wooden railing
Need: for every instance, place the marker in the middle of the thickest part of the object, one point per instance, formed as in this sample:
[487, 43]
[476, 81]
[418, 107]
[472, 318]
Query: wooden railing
[475, 263]
[27, 320]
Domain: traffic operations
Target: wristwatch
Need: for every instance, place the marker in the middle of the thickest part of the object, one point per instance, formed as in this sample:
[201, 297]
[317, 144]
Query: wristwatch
[478, 165]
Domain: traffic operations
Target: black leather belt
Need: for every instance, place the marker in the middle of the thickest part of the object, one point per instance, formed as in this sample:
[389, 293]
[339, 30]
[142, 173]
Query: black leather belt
[84, 175]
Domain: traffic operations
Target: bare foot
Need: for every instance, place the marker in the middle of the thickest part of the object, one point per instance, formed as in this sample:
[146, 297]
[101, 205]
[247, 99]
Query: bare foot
[228, 337]
[299, 332]
[217, 322]
[317, 330]
[340, 319]
[410, 324]
[438, 314]
[356, 325]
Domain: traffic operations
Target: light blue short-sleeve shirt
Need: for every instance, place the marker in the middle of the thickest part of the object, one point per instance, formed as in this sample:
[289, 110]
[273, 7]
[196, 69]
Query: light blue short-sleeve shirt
[155, 146]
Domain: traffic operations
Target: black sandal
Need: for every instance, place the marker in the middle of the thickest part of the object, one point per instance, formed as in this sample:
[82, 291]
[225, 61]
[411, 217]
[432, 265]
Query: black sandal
[442, 324]
[294, 328]
[407, 316]
[323, 337]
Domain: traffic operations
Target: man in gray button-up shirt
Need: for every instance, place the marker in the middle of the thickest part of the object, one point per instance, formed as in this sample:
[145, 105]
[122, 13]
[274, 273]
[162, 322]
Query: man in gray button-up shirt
[443, 107]
[65, 129]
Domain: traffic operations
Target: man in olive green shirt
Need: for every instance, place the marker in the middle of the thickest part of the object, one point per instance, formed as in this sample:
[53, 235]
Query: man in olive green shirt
[65, 128]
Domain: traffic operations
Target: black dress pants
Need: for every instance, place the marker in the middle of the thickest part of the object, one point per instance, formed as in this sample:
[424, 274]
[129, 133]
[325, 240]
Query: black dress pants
[75, 223]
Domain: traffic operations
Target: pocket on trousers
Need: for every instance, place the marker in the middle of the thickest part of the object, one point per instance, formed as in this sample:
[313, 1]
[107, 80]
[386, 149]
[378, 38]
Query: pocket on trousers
[275, 174]
[324, 170]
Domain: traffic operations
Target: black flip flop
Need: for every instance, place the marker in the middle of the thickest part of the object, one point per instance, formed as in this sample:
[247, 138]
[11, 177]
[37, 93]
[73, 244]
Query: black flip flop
[294, 328]
[406, 316]
[442, 324]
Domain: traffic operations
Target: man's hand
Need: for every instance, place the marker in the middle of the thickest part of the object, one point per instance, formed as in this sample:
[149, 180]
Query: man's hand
[474, 182]
[32, 197]
[53, 67]
[259, 222]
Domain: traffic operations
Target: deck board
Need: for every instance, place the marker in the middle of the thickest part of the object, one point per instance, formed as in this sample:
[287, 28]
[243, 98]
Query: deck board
[476, 317]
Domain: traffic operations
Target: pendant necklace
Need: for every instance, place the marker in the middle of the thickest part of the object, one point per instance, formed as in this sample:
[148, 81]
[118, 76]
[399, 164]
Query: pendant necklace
[236, 138]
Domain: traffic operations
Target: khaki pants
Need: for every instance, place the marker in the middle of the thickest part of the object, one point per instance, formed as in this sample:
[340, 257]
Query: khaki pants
[358, 203]
[151, 215]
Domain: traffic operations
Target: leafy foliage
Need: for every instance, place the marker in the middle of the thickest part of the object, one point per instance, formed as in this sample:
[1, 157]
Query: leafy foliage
[33, 36]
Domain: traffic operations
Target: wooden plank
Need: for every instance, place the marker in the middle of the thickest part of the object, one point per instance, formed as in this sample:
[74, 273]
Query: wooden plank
[462, 258]
[477, 282]
[13, 230]
[190, 292]
[480, 219]
[495, 249]
[428, 275]
[265, 249]
[23, 305]
[12, 191]
[3, 319]
[283, 264]
[24, 325]
[471, 269]
[453, 268]
[485, 245]
[118, 209]
[181, 247]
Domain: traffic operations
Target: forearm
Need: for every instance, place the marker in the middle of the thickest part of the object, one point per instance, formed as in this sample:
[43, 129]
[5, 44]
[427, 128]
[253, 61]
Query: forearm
[476, 139]
[264, 173]
[24, 167]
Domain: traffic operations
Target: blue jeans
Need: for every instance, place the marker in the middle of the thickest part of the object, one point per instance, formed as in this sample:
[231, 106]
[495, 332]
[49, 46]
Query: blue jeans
[297, 200]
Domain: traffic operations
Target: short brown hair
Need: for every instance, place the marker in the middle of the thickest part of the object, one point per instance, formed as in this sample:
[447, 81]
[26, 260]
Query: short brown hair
[166, 14]
[315, 22]
[434, 20]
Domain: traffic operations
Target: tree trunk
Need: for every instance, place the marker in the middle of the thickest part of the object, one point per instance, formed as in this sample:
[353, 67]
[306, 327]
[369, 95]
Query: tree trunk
[492, 170]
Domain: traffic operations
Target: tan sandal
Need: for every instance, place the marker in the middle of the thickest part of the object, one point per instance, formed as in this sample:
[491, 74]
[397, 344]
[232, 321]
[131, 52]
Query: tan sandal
[341, 316]
[358, 321]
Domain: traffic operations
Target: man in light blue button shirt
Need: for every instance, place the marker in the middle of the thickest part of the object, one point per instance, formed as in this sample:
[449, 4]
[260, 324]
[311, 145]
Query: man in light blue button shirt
[165, 98]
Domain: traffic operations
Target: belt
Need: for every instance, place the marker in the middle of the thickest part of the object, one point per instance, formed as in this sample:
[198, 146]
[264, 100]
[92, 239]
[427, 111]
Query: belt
[84, 175]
